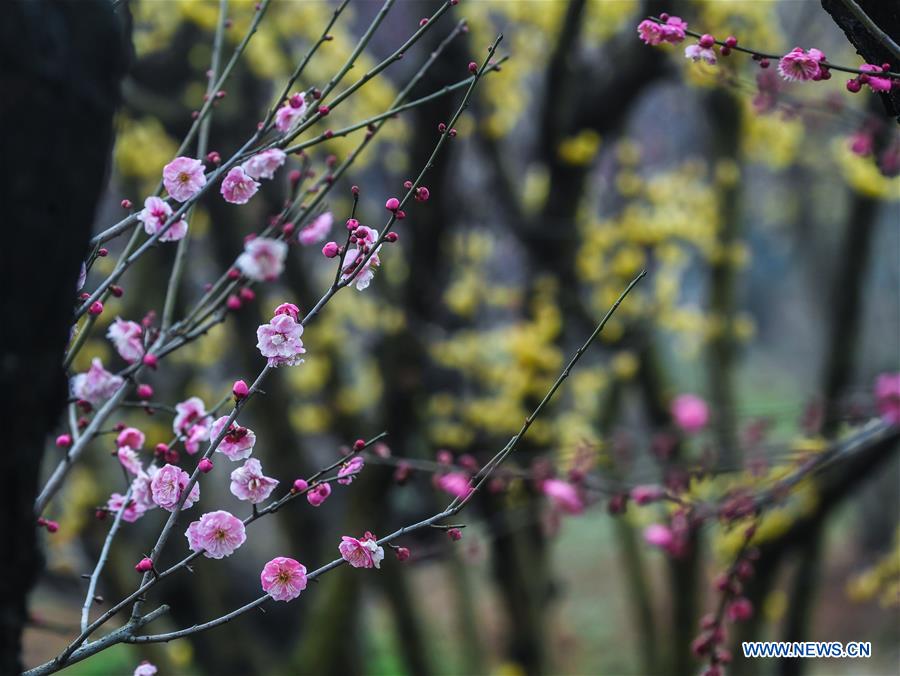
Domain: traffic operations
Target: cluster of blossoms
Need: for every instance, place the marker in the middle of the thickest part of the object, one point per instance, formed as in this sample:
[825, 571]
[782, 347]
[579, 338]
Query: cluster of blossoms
[279, 340]
[262, 259]
[797, 65]
[291, 113]
[96, 384]
[127, 338]
[353, 266]
[363, 552]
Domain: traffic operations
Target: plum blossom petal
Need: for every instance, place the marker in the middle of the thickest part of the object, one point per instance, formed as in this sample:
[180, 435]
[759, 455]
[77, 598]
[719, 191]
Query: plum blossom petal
[127, 338]
[155, 215]
[262, 259]
[237, 443]
[217, 534]
[187, 413]
[317, 230]
[349, 470]
[238, 187]
[264, 164]
[887, 395]
[280, 342]
[249, 483]
[362, 553]
[283, 578]
[563, 495]
[133, 511]
[129, 460]
[97, 384]
[167, 485]
[183, 178]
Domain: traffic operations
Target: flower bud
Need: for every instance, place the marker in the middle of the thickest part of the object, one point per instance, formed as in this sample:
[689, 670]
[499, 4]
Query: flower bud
[96, 308]
[392, 204]
[331, 250]
[144, 565]
[150, 360]
[454, 534]
[239, 390]
[402, 553]
[144, 392]
[473, 67]
[64, 440]
[300, 485]
[205, 465]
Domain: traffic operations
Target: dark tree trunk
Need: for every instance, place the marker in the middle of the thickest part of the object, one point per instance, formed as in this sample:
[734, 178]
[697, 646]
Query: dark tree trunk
[60, 67]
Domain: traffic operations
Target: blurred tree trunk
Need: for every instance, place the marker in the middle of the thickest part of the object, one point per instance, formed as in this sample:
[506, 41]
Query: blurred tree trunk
[60, 68]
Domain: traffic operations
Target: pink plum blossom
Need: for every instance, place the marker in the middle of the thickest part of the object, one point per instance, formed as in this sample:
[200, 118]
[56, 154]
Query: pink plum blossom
[659, 536]
[887, 395]
[349, 470]
[264, 164]
[455, 483]
[876, 84]
[249, 483]
[696, 53]
[187, 413]
[654, 33]
[280, 342]
[183, 178]
[262, 259]
[196, 435]
[145, 668]
[237, 443]
[155, 214]
[361, 276]
[362, 553]
[740, 609]
[283, 578]
[141, 492]
[564, 495]
[801, 65]
[132, 437]
[290, 113]
[238, 187]
[133, 511]
[317, 230]
[97, 384]
[167, 485]
[127, 336]
[129, 460]
[690, 412]
[318, 494]
[217, 534]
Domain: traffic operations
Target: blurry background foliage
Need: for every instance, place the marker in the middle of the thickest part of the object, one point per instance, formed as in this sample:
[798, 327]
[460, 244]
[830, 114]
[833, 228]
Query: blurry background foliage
[589, 157]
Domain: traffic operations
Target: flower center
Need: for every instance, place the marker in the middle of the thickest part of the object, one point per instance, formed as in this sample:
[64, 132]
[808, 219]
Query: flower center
[183, 177]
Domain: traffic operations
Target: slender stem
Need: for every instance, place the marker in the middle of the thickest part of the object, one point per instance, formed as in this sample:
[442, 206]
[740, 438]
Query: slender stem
[101, 561]
[202, 143]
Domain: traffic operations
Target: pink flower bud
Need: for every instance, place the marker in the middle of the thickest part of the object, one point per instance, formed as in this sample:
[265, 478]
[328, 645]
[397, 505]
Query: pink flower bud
[731, 42]
[205, 465]
[444, 457]
[288, 309]
[402, 553]
[150, 360]
[853, 86]
[331, 250]
[288, 229]
[740, 609]
[407, 184]
[296, 101]
[644, 495]
[213, 157]
[354, 190]
[100, 514]
[233, 303]
[319, 494]
[161, 449]
[300, 485]
[324, 110]
[51, 526]
[423, 22]
[144, 392]
[171, 456]
[422, 194]
[473, 67]
[64, 440]
[247, 294]
[442, 127]
[126, 204]
[239, 389]
[400, 214]
[391, 236]
[454, 534]
[295, 176]
[392, 204]
[144, 565]
[96, 308]
[116, 290]
[707, 41]
[452, 132]
[359, 444]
